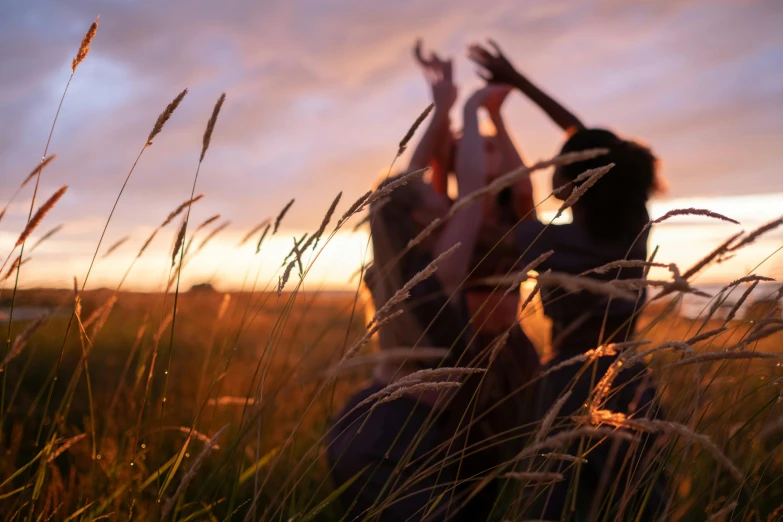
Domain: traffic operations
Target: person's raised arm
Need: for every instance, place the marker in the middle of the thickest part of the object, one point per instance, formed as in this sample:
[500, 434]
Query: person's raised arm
[510, 159]
[500, 70]
[470, 169]
[433, 147]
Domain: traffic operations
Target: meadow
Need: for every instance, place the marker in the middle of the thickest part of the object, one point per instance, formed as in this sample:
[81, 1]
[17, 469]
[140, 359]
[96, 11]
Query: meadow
[194, 404]
[106, 445]
[112, 444]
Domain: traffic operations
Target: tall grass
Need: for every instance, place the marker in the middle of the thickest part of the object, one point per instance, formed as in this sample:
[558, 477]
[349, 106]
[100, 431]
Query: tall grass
[208, 406]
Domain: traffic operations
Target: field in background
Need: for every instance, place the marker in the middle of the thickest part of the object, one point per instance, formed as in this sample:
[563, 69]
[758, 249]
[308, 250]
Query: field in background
[226, 345]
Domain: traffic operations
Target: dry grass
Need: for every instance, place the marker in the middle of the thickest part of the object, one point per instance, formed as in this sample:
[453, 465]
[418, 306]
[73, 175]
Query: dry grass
[296, 352]
[120, 417]
[84, 48]
[211, 126]
[40, 214]
[296, 406]
[165, 115]
[281, 215]
[412, 130]
[44, 163]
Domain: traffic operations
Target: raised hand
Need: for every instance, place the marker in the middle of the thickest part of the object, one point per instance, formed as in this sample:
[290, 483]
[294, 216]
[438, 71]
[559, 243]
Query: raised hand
[491, 97]
[497, 68]
[440, 75]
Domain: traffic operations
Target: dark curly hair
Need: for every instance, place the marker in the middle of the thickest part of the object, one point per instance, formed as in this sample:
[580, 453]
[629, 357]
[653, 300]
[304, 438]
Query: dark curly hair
[615, 208]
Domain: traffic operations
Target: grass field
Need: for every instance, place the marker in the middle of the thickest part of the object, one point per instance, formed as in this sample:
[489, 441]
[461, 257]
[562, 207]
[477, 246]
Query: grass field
[112, 443]
[244, 352]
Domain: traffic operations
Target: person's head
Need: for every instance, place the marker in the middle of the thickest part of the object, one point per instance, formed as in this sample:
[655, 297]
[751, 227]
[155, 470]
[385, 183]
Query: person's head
[614, 209]
[401, 218]
[406, 211]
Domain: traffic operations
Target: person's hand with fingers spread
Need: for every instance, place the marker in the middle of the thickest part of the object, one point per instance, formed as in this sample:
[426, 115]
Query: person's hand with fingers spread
[498, 69]
[440, 75]
[434, 148]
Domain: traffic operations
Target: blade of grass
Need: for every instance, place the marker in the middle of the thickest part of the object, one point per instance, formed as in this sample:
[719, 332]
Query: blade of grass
[152, 478]
[174, 468]
[251, 470]
[310, 515]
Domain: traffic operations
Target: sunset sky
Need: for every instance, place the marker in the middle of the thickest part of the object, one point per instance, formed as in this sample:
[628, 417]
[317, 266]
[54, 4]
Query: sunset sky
[320, 92]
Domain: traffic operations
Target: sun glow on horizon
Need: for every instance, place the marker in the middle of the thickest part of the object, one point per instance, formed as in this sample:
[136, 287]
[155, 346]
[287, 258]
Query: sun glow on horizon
[227, 266]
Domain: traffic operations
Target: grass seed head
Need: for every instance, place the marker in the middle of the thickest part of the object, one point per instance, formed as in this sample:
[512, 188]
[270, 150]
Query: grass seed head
[211, 126]
[40, 214]
[165, 115]
[84, 48]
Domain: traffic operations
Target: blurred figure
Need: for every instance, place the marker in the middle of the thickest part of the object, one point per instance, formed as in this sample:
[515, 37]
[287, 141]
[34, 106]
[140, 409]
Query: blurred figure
[377, 442]
[405, 454]
[491, 412]
[501, 396]
[608, 224]
[490, 156]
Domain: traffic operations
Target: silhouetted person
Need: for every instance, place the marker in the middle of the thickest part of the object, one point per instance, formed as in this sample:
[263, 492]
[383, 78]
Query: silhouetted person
[608, 224]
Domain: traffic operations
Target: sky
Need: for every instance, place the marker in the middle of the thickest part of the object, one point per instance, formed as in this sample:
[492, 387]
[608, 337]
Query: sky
[319, 94]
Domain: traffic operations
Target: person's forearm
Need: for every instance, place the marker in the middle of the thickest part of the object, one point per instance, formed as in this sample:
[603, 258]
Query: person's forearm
[564, 118]
[464, 226]
[470, 166]
[510, 158]
[524, 206]
[425, 150]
